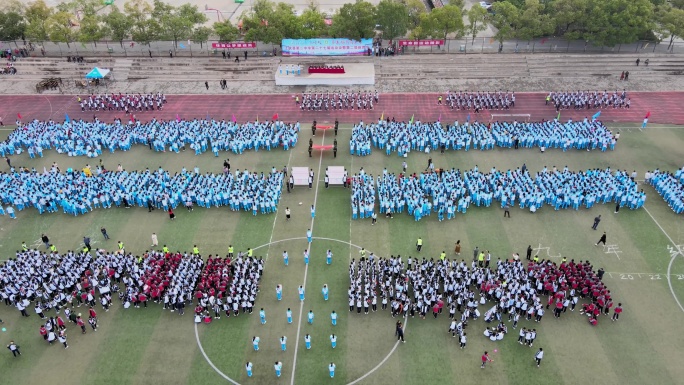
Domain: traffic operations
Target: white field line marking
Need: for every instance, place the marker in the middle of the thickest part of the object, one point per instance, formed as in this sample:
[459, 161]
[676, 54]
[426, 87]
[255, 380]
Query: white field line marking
[287, 240]
[306, 269]
[674, 256]
[383, 360]
[209, 361]
[270, 240]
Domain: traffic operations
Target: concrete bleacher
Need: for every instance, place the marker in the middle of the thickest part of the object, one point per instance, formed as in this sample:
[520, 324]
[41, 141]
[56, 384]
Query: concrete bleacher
[392, 69]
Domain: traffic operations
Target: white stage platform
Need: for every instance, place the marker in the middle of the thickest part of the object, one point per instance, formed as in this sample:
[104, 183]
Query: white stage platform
[355, 74]
[335, 175]
[301, 176]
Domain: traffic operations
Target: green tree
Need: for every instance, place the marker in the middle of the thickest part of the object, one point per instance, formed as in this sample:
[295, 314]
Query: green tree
[270, 23]
[37, 15]
[354, 21]
[60, 29]
[415, 9]
[118, 25]
[226, 31]
[570, 17]
[671, 21]
[441, 22]
[312, 24]
[201, 34]
[532, 22]
[477, 21]
[505, 20]
[144, 28]
[15, 6]
[285, 21]
[91, 30]
[619, 21]
[12, 25]
[393, 18]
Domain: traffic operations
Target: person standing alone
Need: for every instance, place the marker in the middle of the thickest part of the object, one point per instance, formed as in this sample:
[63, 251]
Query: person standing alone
[538, 357]
[485, 359]
[596, 222]
[14, 348]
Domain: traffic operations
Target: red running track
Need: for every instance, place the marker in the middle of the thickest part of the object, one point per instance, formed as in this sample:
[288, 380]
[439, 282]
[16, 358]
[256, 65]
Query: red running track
[665, 108]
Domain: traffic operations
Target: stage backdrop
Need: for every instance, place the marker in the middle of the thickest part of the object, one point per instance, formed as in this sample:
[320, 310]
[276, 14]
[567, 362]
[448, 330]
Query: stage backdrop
[326, 47]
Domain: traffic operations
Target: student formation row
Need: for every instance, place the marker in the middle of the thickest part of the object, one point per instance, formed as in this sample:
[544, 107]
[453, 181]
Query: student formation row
[670, 185]
[79, 192]
[53, 281]
[91, 138]
[403, 137]
[446, 192]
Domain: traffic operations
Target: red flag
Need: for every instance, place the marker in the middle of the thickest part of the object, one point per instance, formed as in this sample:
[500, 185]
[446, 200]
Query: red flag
[440, 117]
[19, 116]
[234, 119]
[177, 118]
[132, 118]
[275, 117]
[647, 115]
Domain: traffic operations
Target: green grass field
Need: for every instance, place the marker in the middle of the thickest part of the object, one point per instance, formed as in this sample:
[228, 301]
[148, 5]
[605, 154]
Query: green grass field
[151, 346]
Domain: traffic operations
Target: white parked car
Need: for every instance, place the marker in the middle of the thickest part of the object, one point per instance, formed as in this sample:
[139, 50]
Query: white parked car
[485, 5]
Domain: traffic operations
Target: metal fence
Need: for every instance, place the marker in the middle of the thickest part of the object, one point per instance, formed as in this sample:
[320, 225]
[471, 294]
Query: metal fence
[453, 46]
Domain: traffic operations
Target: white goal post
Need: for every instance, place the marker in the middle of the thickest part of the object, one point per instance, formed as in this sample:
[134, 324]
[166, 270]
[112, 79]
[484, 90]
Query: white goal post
[510, 117]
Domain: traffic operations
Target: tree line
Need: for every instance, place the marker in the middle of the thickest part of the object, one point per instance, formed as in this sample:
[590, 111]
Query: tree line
[599, 22]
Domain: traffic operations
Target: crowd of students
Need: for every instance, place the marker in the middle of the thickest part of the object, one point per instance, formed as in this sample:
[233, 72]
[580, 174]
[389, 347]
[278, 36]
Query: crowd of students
[447, 192]
[91, 138]
[510, 291]
[50, 281]
[465, 100]
[228, 285]
[362, 196]
[79, 192]
[580, 100]
[670, 186]
[403, 137]
[122, 102]
[338, 101]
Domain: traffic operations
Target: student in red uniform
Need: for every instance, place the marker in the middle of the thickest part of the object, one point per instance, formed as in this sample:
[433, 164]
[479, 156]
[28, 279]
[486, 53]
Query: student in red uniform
[79, 322]
[617, 311]
[43, 332]
[485, 359]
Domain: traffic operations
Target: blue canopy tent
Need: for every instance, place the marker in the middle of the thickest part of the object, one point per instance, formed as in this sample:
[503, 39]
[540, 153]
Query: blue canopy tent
[98, 74]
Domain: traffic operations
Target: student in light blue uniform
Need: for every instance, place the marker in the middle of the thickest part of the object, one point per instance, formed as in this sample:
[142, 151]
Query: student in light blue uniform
[325, 291]
[307, 342]
[402, 136]
[248, 367]
[288, 314]
[87, 138]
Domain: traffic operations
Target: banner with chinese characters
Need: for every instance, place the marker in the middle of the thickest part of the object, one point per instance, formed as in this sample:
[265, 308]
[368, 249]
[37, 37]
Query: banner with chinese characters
[239, 44]
[420, 43]
[326, 47]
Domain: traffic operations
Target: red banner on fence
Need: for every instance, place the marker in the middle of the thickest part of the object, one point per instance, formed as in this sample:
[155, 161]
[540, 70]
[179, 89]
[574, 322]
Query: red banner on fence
[420, 42]
[243, 44]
